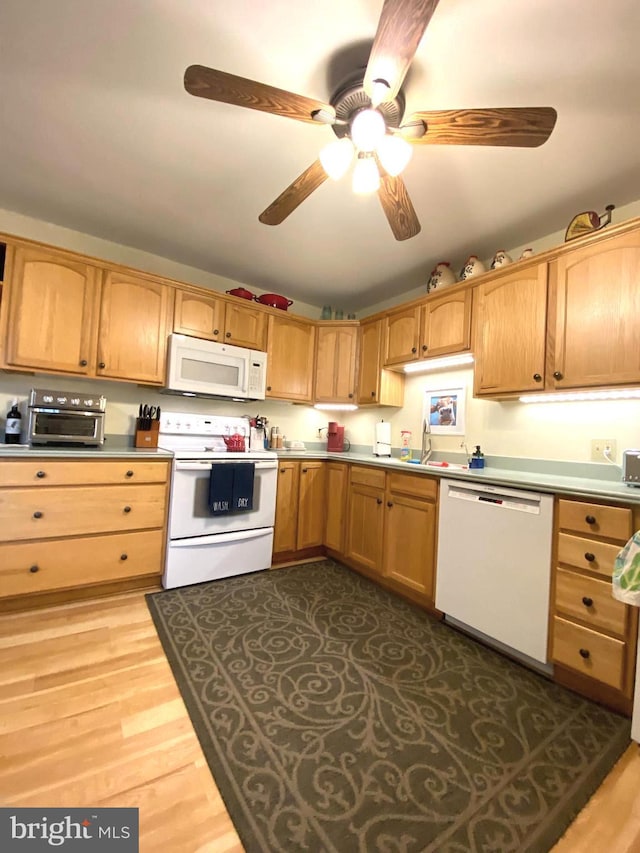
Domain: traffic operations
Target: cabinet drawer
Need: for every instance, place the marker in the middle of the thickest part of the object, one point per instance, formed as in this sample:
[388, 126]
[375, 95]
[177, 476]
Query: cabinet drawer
[71, 472]
[368, 476]
[587, 553]
[591, 601]
[612, 522]
[418, 485]
[41, 566]
[75, 511]
[605, 655]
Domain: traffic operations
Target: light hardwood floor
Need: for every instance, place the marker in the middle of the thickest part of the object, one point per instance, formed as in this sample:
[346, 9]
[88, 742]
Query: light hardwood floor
[90, 715]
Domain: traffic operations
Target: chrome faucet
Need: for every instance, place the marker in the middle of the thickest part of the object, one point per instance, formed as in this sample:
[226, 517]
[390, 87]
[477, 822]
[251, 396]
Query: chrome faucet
[426, 442]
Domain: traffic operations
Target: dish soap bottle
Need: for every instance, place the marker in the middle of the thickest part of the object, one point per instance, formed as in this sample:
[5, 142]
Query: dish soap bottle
[14, 425]
[477, 458]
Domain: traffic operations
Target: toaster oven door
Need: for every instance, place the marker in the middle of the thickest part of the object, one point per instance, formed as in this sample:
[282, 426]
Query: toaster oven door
[57, 426]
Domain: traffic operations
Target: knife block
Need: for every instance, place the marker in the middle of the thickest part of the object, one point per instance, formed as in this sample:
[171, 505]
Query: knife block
[147, 437]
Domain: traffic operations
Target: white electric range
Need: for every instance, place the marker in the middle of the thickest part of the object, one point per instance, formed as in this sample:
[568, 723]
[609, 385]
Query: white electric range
[203, 546]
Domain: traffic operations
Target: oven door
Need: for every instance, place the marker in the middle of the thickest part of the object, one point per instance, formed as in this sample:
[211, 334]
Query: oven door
[57, 426]
[190, 516]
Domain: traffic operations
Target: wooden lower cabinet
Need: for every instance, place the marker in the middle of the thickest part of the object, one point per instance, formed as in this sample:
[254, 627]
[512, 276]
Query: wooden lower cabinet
[391, 529]
[69, 528]
[592, 634]
[300, 509]
[336, 487]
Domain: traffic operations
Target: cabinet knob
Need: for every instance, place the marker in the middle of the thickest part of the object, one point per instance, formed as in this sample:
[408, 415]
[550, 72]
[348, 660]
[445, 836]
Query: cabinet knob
[389, 504]
[584, 653]
[424, 347]
[228, 335]
[40, 475]
[589, 557]
[557, 374]
[283, 470]
[350, 396]
[268, 387]
[304, 470]
[590, 519]
[216, 331]
[588, 602]
[34, 569]
[37, 514]
[129, 474]
[414, 349]
[127, 509]
[101, 365]
[83, 362]
[378, 500]
[537, 377]
[123, 557]
[373, 393]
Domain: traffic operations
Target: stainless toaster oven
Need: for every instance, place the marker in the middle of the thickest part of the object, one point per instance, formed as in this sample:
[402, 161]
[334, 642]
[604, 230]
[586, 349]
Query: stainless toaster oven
[65, 418]
[631, 467]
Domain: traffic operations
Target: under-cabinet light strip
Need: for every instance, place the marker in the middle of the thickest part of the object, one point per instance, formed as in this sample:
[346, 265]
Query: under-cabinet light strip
[439, 363]
[340, 407]
[567, 397]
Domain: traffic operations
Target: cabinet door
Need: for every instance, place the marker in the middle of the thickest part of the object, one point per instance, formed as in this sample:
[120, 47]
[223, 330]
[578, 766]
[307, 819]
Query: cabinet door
[311, 505]
[245, 326]
[52, 313]
[290, 359]
[198, 315]
[597, 340]
[286, 523]
[402, 335]
[509, 326]
[134, 324]
[370, 362]
[336, 363]
[410, 544]
[446, 324]
[364, 530]
[335, 503]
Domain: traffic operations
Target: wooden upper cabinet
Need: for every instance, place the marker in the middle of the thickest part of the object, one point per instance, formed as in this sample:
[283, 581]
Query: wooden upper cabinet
[402, 336]
[509, 327]
[215, 319]
[50, 322]
[134, 325]
[376, 385]
[290, 358]
[596, 292]
[445, 324]
[336, 352]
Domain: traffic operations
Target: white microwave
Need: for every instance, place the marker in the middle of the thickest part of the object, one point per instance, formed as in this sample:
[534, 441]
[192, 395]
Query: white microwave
[200, 368]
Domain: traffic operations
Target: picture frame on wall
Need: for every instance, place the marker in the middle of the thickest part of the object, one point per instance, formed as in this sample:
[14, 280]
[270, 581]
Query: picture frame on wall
[444, 410]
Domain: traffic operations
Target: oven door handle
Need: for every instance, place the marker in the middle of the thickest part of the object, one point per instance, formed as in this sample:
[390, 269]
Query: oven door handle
[204, 464]
[221, 538]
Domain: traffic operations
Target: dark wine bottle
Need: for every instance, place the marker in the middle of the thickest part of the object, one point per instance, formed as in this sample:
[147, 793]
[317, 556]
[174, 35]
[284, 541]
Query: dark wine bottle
[14, 425]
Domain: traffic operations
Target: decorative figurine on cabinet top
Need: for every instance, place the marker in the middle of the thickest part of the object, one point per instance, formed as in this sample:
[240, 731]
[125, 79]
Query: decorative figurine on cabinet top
[441, 276]
[473, 266]
[587, 222]
[500, 259]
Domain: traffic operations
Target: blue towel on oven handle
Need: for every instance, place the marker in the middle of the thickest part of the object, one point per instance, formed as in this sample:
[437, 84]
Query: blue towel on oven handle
[221, 481]
[243, 478]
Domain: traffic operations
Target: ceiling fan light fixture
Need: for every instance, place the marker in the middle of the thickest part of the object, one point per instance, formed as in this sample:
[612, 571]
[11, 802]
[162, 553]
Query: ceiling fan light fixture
[394, 153]
[336, 157]
[379, 91]
[366, 177]
[367, 129]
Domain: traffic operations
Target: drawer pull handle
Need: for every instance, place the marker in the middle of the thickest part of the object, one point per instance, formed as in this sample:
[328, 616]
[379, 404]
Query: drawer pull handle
[37, 514]
[590, 519]
[34, 569]
[127, 509]
[588, 602]
[584, 653]
[40, 475]
[123, 557]
[589, 557]
[129, 474]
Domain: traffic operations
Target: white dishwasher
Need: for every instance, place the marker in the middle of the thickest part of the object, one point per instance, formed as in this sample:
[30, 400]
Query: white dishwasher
[494, 564]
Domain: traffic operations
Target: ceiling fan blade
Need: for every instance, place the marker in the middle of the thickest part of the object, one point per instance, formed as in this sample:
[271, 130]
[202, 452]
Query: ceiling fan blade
[401, 26]
[521, 127]
[295, 194]
[219, 86]
[397, 207]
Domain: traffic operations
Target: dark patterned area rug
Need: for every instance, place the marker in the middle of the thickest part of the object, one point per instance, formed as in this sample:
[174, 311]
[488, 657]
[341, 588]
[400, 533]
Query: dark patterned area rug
[337, 717]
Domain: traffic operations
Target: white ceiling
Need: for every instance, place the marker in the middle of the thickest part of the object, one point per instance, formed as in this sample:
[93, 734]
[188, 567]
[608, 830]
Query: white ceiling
[99, 135]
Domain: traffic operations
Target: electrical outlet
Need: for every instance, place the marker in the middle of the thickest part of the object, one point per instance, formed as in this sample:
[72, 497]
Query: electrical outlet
[600, 446]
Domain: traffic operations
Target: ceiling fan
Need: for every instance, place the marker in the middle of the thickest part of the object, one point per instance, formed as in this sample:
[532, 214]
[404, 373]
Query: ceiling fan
[366, 114]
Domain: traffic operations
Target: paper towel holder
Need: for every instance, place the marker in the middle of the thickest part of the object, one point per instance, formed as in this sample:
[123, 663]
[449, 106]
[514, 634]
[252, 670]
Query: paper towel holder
[382, 445]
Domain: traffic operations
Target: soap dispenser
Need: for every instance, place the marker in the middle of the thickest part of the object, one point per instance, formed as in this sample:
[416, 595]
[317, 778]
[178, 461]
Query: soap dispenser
[477, 458]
